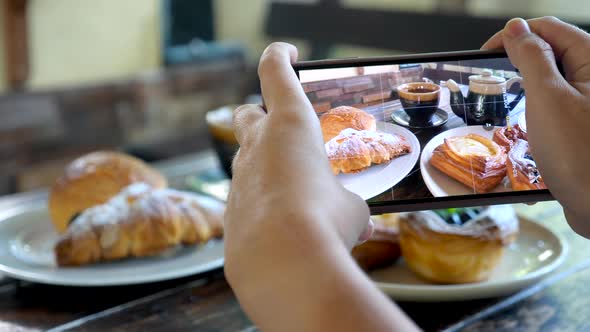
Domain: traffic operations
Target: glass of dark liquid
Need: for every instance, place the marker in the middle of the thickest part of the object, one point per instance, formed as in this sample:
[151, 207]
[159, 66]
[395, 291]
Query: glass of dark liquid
[223, 138]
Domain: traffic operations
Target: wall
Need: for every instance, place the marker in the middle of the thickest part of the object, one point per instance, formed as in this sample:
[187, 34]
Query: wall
[2, 71]
[74, 41]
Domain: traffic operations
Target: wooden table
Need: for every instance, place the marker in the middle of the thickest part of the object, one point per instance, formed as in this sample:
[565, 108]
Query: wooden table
[206, 303]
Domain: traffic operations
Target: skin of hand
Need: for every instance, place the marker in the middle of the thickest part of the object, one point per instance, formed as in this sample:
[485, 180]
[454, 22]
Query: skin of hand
[558, 106]
[290, 225]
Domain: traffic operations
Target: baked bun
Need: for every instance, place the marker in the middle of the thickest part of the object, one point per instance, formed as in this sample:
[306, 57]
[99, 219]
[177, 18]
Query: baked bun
[93, 179]
[139, 221]
[342, 117]
[355, 150]
[382, 248]
[473, 160]
[442, 251]
[507, 136]
[522, 169]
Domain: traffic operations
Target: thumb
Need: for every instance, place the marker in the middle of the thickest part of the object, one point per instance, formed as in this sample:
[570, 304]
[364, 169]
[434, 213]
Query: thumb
[533, 56]
[246, 120]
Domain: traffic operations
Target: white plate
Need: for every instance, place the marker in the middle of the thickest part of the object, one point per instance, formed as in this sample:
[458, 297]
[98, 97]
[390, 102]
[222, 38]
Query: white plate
[442, 185]
[535, 254]
[522, 122]
[27, 238]
[379, 178]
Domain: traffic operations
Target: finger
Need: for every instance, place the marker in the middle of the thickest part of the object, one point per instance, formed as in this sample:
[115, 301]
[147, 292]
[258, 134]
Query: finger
[279, 83]
[570, 44]
[245, 120]
[494, 43]
[366, 234]
[533, 57]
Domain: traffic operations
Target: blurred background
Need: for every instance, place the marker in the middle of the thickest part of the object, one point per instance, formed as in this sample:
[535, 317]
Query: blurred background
[140, 75]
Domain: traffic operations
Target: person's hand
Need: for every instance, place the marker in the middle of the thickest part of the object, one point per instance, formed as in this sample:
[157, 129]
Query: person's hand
[558, 108]
[289, 223]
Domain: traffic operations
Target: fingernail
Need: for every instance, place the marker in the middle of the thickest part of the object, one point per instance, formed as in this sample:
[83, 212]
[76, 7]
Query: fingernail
[517, 27]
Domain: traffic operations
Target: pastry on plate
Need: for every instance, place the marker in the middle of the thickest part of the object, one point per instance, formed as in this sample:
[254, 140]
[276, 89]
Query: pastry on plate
[457, 245]
[473, 160]
[382, 248]
[342, 117]
[522, 169]
[139, 221]
[93, 179]
[353, 151]
[507, 136]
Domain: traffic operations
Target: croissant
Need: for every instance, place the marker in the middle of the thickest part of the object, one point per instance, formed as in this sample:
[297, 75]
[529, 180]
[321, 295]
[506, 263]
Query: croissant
[507, 136]
[353, 151]
[139, 221]
[342, 117]
[473, 160]
[522, 169]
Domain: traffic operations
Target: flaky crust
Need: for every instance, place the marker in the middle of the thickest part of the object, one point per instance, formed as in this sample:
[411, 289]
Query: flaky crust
[382, 248]
[523, 172]
[481, 173]
[139, 221]
[342, 117]
[507, 136]
[93, 179]
[353, 151]
[451, 254]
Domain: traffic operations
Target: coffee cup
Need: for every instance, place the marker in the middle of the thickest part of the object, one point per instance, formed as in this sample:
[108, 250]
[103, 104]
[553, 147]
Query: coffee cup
[223, 138]
[420, 101]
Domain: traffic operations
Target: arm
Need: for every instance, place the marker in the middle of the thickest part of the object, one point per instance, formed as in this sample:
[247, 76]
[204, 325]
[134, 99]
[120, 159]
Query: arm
[290, 225]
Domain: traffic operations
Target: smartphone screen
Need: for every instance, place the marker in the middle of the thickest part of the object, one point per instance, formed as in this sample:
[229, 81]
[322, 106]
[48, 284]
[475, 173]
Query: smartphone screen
[416, 132]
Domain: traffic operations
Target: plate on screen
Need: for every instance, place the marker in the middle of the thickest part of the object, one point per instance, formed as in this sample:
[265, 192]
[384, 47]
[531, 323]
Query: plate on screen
[535, 254]
[27, 239]
[379, 178]
[442, 185]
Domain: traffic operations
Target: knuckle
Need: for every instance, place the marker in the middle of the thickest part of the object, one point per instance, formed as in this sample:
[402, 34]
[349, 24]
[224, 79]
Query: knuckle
[270, 61]
[535, 46]
[549, 19]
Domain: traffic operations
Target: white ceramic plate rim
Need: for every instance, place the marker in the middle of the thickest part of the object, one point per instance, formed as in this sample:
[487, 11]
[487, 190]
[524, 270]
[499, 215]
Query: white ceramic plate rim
[430, 293]
[54, 277]
[380, 182]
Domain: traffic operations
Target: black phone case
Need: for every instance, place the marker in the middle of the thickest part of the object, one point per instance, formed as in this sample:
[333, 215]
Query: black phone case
[434, 202]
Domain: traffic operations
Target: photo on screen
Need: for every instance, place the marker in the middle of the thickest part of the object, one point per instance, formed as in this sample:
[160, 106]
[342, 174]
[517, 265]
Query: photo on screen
[414, 131]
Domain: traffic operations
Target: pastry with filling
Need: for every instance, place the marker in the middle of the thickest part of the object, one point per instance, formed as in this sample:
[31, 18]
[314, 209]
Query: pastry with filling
[507, 136]
[353, 151]
[139, 221]
[457, 246]
[337, 119]
[382, 248]
[93, 179]
[522, 169]
[475, 161]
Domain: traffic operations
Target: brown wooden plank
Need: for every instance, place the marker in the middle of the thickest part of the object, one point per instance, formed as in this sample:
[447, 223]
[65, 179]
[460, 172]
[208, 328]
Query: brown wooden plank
[16, 43]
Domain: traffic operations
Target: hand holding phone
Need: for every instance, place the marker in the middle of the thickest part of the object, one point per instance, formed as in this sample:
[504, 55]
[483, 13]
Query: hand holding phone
[557, 106]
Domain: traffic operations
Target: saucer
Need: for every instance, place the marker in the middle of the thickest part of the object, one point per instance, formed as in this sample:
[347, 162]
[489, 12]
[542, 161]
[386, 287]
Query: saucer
[439, 118]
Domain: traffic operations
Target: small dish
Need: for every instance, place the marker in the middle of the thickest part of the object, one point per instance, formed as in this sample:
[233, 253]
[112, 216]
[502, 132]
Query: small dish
[439, 118]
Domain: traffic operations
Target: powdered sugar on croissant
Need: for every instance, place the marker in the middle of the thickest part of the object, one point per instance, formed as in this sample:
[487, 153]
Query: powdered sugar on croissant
[139, 221]
[355, 150]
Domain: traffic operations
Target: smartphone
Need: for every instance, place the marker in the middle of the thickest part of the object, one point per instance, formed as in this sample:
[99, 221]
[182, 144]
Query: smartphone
[426, 131]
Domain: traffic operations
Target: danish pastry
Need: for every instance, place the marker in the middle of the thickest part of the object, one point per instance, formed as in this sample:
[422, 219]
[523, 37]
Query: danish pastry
[507, 136]
[382, 248]
[473, 160]
[459, 246]
[522, 169]
[93, 179]
[342, 117]
[353, 151]
[139, 221]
